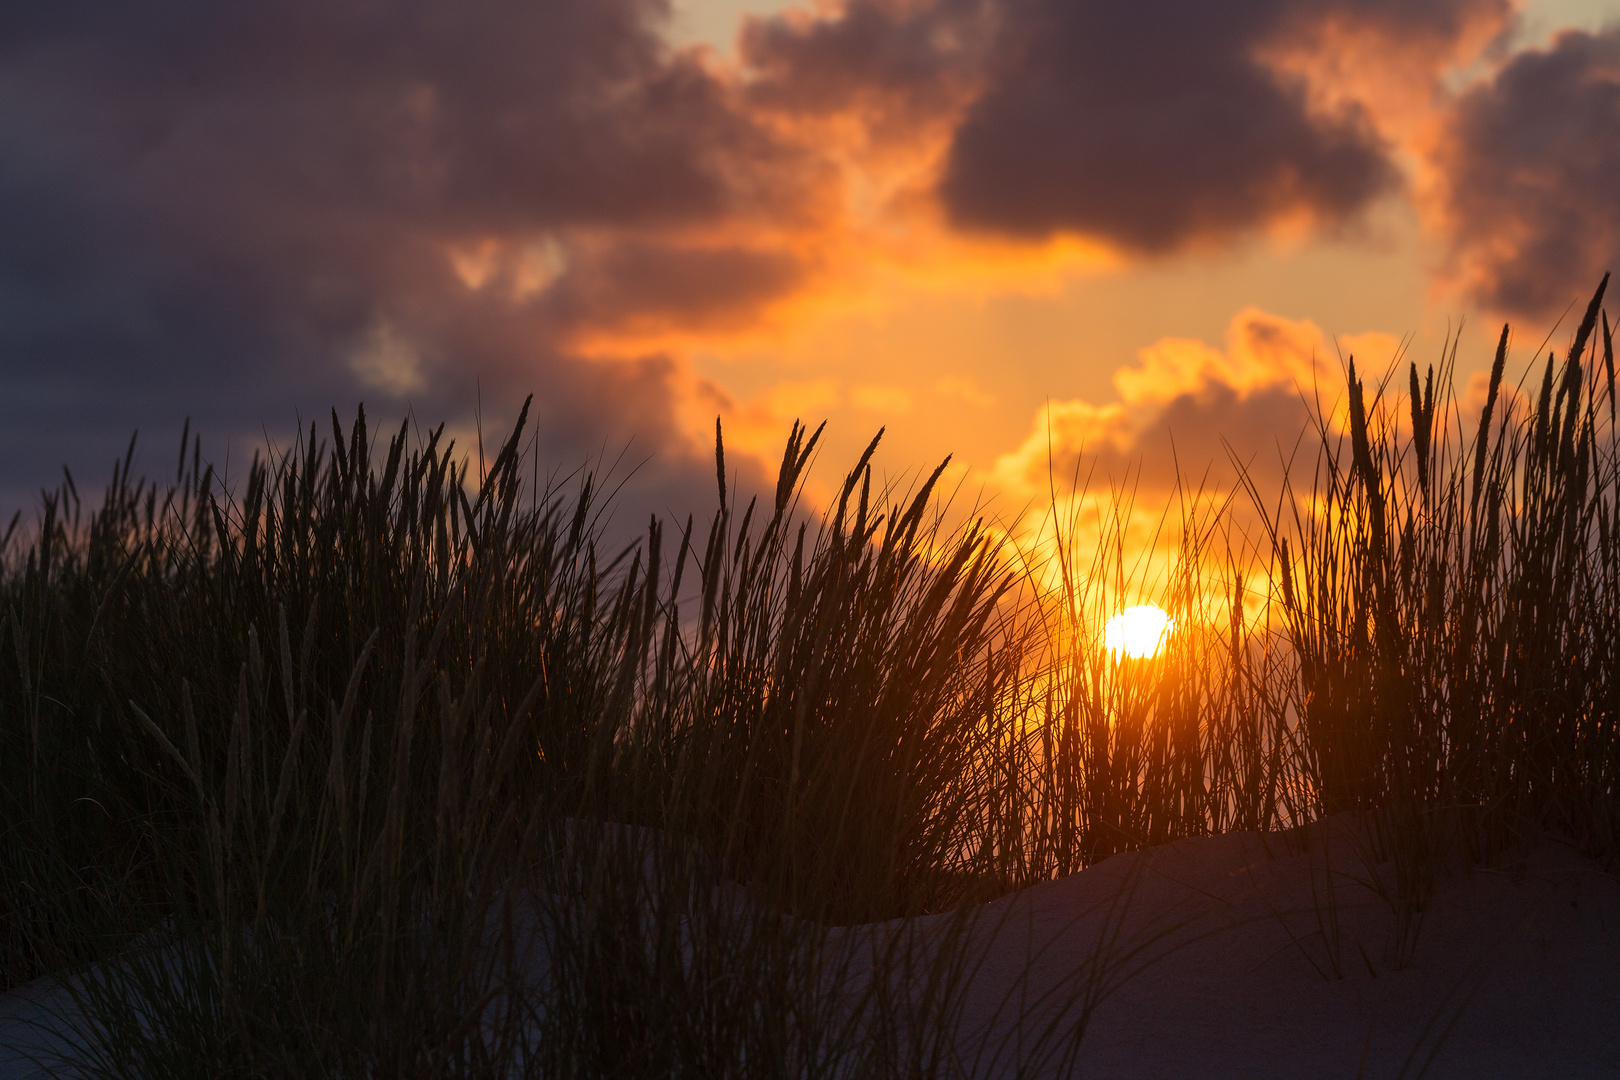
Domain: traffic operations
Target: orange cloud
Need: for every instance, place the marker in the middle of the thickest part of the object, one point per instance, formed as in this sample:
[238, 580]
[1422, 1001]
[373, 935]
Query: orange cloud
[1185, 403]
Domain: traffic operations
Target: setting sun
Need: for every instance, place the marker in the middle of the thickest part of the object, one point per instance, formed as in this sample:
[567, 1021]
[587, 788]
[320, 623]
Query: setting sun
[1138, 632]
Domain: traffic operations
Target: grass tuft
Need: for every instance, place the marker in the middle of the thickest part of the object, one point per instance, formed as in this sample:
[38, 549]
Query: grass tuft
[371, 765]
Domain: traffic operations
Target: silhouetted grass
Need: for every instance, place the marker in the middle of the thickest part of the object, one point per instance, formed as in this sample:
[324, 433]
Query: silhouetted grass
[335, 740]
[334, 763]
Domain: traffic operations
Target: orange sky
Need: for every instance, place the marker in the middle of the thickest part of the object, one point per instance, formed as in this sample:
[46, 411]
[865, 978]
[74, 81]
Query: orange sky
[960, 346]
[983, 224]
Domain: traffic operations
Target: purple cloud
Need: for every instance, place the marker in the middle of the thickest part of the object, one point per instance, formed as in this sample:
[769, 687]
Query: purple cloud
[1531, 166]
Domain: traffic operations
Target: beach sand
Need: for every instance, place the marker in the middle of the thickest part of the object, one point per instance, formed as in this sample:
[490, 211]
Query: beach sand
[1264, 956]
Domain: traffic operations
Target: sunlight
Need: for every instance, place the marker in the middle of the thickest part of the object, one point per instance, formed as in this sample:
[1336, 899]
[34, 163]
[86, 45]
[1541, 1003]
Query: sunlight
[1138, 632]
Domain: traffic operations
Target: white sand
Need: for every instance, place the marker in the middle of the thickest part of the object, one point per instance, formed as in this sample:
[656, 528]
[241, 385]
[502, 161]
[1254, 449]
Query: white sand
[1220, 962]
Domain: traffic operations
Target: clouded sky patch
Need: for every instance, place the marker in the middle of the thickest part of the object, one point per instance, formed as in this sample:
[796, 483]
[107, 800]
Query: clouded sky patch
[1532, 165]
[934, 214]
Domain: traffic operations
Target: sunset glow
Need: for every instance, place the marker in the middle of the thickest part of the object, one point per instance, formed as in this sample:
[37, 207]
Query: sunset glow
[727, 457]
[1138, 632]
[1024, 235]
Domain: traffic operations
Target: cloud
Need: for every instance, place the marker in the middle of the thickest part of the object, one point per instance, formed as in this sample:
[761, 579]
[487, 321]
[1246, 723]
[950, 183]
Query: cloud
[1150, 127]
[1530, 166]
[387, 360]
[1263, 352]
[630, 285]
[1192, 421]
[1186, 406]
[244, 212]
[1159, 125]
[247, 213]
[893, 61]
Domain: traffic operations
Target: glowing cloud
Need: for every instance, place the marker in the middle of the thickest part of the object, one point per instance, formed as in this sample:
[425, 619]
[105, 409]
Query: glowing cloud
[1185, 404]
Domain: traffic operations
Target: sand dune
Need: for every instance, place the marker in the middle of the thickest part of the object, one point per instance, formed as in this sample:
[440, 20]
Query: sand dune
[1229, 957]
[1275, 955]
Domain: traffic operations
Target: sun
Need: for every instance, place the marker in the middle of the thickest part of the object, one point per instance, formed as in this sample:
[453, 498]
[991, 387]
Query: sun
[1138, 632]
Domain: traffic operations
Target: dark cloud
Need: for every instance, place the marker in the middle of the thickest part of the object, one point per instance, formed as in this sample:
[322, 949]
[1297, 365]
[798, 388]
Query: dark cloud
[238, 212]
[892, 60]
[1148, 125]
[1152, 125]
[1532, 171]
[698, 287]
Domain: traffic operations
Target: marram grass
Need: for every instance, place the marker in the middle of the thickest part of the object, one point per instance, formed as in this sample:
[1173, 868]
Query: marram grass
[323, 771]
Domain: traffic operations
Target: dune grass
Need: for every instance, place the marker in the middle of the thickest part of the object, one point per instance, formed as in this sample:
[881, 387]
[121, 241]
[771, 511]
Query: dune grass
[327, 759]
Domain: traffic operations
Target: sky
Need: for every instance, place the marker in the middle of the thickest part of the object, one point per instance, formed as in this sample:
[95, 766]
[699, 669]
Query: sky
[1042, 236]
